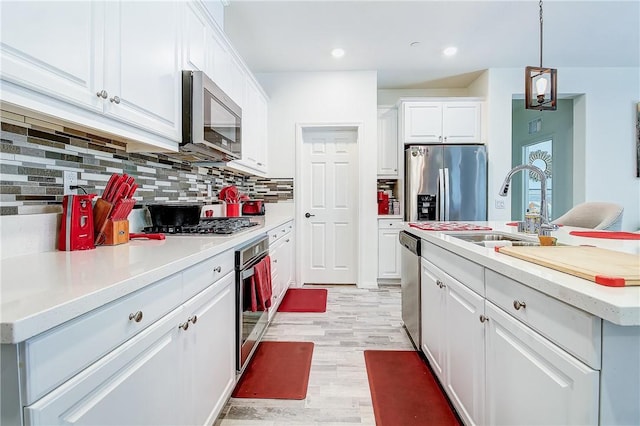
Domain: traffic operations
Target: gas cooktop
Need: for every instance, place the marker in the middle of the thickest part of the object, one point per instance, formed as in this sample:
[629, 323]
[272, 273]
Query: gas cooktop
[208, 225]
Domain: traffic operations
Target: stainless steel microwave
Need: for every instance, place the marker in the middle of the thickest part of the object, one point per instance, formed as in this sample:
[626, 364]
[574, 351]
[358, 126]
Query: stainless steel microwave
[211, 121]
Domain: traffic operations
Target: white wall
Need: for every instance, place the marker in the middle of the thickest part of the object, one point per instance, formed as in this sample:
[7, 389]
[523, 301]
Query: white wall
[392, 96]
[323, 98]
[604, 119]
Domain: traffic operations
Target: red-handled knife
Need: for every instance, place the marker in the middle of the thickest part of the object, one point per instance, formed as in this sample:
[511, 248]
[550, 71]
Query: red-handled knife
[147, 236]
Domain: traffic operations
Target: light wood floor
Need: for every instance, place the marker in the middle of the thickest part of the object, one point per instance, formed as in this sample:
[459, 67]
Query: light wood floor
[338, 393]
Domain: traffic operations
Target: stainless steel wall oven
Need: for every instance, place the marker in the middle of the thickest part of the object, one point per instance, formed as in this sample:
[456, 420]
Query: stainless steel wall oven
[250, 325]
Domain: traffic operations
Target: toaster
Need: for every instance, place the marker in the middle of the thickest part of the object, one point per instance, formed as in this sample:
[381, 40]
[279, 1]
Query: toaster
[253, 208]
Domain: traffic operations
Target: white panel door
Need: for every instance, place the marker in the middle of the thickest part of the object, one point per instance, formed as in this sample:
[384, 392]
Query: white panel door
[209, 352]
[422, 122]
[388, 254]
[461, 122]
[388, 141]
[464, 335]
[432, 299]
[139, 383]
[531, 380]
[143, 66]
[329, 199]
[196, 33]
[54, 48]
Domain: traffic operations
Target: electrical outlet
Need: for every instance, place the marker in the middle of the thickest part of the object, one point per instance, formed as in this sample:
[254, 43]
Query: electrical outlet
[499, 204]
[69, 179]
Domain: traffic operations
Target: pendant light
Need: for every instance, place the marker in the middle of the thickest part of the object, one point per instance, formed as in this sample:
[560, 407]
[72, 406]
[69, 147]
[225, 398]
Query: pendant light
[540, 83]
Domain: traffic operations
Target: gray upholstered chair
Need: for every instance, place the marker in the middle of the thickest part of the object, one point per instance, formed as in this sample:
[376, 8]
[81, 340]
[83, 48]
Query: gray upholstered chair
[593, 215]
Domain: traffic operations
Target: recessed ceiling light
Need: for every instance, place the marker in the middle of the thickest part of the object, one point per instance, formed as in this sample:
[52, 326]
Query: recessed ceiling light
[337, 53]
[450, 51]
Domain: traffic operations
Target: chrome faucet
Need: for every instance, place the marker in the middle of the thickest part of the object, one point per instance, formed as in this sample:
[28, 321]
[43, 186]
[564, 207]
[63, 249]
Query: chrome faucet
[545, 226]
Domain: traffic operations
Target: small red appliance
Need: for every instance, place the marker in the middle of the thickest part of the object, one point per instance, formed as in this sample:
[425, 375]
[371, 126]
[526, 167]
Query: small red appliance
[383, 203]
[253, 208]
[76, 229]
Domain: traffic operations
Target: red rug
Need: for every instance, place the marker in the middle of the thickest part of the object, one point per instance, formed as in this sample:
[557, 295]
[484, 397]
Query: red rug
[278, 370]
[404, 392]
[304, 300]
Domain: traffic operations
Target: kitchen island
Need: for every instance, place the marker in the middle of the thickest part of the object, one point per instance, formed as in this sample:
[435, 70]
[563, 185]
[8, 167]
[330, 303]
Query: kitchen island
[513, 342]
[89, 336]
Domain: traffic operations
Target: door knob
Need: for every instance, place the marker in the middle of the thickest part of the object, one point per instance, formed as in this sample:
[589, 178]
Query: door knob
[308, 215]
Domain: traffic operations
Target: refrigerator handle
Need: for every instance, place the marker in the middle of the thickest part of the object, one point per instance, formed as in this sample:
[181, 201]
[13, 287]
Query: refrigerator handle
[440, 197]
[446, 194]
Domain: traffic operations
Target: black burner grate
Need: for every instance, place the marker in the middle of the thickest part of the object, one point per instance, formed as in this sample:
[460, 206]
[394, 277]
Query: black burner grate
[221, 225]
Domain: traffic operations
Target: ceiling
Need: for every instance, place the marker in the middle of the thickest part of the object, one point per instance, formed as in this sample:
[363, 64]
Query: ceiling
[287, 36]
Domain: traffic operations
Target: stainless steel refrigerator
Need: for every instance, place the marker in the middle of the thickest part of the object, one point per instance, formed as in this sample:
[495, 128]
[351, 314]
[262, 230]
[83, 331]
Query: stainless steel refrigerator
[445, 182]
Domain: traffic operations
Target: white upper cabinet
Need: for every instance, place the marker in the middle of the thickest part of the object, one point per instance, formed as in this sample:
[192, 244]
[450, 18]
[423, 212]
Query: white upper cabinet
[143, 73]
[49, 68]
[388, 141]
[254, 130]
[442, 122]
[99, 62]
[195, 52]
[206, 48]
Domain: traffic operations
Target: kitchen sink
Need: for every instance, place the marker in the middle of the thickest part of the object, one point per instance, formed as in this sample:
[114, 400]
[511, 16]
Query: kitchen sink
[480, 238]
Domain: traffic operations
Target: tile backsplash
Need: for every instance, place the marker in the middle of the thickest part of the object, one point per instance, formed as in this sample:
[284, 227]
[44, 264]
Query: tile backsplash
[34, 155]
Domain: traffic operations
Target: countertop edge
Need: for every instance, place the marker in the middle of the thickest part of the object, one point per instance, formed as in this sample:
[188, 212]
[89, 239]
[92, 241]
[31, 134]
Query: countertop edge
[574, 291]
[16, 330]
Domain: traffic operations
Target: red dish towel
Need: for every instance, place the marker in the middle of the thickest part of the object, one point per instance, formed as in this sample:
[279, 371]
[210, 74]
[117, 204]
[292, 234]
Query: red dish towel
[611, 235]
[261, 285]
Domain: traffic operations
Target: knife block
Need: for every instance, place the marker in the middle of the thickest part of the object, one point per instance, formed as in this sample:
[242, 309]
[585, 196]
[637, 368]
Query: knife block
[116, 232]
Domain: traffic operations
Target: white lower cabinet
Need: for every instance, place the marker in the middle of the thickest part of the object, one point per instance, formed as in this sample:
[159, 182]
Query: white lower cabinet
[453, 340]
[209, 352]
[508, 355]
[531, 380]
[281, 252]
[179, 370]
[117, 389]
[389, 248]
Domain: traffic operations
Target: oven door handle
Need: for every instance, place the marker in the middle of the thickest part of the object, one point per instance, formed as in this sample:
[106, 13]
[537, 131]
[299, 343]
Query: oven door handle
[250, 268]
[247, 273]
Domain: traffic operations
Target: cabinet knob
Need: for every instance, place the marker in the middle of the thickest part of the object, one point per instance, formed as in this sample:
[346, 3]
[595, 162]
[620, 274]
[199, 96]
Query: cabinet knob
[137, 317]
[184, 325]
[517, 305]
[115, 100]
[102, 94]
[286, 241]
[193, 319]
[275, 260]
[217, 269]
[440, 284]
[483, 318]
[439, 138]
[308, 215]
[445, 139]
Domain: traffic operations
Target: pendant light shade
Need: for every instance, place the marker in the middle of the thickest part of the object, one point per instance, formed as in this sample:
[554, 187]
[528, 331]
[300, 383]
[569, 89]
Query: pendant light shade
[540, 90]
[540, 84]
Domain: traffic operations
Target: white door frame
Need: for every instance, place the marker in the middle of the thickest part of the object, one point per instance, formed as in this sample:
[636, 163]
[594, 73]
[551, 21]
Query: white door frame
[299, 212]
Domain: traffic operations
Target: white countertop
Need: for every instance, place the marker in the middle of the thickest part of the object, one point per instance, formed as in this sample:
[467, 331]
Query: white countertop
[40, 291]
[619, 305]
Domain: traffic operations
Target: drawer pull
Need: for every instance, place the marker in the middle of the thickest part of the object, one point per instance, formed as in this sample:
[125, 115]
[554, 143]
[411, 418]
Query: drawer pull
[217, 269]
[193, 319]
[517, 305]
[137, 317]
[184, 325]
[483, 318]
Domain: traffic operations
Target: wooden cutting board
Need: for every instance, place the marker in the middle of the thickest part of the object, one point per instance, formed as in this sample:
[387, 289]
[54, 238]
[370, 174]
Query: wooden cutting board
[606, 267]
